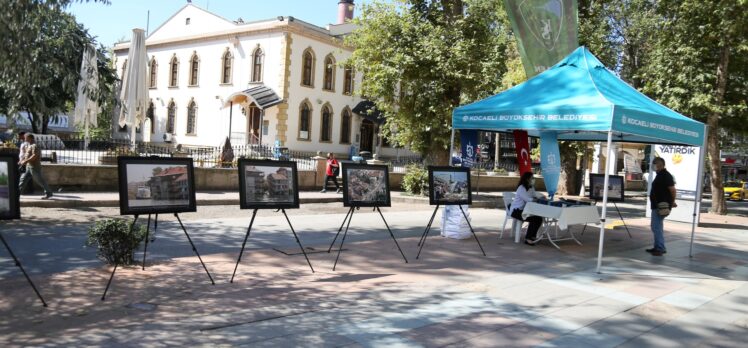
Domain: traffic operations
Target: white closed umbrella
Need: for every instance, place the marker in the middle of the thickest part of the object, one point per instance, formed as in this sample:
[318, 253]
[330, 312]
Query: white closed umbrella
[86, 107]
[134, 95]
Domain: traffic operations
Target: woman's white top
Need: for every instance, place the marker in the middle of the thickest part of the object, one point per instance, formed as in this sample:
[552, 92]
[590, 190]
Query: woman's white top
[522, 196]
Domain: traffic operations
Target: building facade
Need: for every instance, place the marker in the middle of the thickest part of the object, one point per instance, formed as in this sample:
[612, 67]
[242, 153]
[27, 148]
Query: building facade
[204, 72]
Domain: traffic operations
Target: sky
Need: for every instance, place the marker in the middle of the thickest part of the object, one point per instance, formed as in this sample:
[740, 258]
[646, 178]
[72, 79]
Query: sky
[111, 23]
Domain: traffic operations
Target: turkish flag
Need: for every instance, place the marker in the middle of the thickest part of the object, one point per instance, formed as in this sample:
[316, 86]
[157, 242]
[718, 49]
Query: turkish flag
[522, 144]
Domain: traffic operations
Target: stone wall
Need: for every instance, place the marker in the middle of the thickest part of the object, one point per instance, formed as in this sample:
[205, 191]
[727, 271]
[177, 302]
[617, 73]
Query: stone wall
[104, 178]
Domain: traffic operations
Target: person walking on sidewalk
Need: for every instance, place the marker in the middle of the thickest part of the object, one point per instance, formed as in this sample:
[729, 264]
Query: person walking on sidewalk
[661, 199]
[331, 172]
[32, 159]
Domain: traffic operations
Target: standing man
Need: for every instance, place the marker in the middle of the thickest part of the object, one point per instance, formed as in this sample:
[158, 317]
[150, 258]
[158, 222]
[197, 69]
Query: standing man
[32, 159]
[331, 172]
[663, 191]
[22, 144]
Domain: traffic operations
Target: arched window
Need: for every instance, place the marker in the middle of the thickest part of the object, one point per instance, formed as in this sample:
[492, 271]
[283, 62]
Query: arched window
[191, 117]
[257, 59]
[173, 71]
[348, 80]
[150, 115]
[194, 69]
[345, 127]
[226, 62]
[153, 66]
[124, 69]
[307, 73]
[305, 120]
[171, 117]
[325, 133]
[329, 80]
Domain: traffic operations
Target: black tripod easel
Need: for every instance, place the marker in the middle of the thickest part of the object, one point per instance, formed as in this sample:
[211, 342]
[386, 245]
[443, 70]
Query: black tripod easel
[132, 227]
[249, 229]
[349, 217]
[18, 264]
[619, 215]
[425, 234]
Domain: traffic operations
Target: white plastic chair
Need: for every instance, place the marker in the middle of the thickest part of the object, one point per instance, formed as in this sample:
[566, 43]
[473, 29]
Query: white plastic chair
[508, 197]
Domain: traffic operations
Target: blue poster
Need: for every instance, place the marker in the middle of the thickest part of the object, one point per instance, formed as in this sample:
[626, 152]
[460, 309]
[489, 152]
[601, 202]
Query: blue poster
[550, 161]
[469, 147]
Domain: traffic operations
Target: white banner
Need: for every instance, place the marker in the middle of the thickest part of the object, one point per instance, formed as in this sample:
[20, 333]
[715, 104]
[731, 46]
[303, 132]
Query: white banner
[683, 163]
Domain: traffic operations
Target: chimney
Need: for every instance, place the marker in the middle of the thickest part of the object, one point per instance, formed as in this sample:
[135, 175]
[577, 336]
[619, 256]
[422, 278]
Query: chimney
[345, 11]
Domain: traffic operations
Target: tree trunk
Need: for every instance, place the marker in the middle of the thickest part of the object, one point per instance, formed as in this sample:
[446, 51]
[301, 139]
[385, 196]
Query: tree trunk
[45, 124]
[567, 178]
[439, 157]
[32, 120]
[718, 195]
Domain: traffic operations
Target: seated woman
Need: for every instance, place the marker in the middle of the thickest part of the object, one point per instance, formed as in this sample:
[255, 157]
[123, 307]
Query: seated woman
[526, 193]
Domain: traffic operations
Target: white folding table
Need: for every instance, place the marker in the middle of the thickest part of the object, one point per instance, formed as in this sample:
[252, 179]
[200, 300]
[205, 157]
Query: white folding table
[562, 217]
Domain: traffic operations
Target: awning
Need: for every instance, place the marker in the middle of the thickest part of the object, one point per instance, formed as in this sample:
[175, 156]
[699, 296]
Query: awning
[261, 95]
[368, 110]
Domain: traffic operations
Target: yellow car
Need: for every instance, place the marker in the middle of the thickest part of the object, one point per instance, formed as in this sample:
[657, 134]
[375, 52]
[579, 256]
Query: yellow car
[737, 190]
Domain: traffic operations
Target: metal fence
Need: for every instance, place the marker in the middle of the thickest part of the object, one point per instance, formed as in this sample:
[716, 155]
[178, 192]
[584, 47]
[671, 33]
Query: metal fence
[105, 151]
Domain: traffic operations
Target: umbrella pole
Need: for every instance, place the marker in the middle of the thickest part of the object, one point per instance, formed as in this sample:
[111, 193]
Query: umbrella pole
[605, 202]
[86, 139]
[451, 146]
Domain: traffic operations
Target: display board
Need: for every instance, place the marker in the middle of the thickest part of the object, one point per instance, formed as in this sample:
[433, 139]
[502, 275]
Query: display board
[10, 207]
[266, 184]
[615, 187]
[449, 186]
[366, 186]
[156, 185]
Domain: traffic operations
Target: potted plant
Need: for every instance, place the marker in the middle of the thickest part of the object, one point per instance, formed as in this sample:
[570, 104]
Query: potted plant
[497, 171]
[113, 240]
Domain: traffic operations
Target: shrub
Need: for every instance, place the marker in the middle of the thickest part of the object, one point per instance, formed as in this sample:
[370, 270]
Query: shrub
[416, 180]
[114, 241]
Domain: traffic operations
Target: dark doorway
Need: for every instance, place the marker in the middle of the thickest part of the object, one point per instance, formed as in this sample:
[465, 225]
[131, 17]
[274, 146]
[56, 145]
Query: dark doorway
[367, 135]
[253, 124]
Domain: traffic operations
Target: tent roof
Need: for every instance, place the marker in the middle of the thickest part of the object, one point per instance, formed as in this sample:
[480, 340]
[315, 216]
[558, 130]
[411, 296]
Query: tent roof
[582, 100]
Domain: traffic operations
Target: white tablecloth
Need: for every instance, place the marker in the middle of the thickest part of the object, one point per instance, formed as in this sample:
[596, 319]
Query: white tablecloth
[565, 216]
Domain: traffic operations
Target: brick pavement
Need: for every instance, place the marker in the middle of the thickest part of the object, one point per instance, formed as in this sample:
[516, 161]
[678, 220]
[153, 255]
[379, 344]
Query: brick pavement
[516, 296]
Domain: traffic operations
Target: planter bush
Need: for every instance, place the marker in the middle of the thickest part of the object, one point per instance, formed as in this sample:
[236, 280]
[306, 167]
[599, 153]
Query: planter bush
[416, 180]
[115, 244]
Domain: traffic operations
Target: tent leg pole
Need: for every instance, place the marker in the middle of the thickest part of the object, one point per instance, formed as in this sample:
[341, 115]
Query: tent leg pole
[605, 203]
[699, 188]
[451, 146]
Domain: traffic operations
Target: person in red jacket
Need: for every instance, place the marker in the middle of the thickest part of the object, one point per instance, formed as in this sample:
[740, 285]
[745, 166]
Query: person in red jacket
[331, 172]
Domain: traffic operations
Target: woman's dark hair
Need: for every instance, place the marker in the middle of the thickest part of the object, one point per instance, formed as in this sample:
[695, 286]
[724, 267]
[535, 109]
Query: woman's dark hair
[524, 180]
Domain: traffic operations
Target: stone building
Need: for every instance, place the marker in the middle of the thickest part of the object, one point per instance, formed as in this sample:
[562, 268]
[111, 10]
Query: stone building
[272, 81]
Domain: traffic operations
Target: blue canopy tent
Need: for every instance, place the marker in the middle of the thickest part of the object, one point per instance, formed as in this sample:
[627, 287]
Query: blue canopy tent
[582, 100]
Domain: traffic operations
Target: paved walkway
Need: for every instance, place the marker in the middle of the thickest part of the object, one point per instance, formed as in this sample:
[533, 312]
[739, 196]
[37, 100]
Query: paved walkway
[453, 296]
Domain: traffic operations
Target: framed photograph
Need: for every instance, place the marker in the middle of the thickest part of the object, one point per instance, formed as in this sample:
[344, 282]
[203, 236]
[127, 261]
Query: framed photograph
[615, 187]
[366, 186]
[449, 185]
[266, 184]
[10, 207]
[156, 185]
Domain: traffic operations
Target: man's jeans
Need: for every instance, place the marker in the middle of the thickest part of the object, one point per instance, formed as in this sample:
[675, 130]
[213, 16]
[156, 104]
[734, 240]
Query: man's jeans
[36, 173]
[657, 229]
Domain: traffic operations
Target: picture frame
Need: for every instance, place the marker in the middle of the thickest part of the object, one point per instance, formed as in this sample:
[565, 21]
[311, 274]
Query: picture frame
[156, 185]
[615, 187]
[366, 185]
[10, 200]
[449, 186]
[268, 184]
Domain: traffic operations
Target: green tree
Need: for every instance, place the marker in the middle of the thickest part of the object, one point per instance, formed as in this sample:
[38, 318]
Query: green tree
[422, 58]
[41, 48]
[699, 66]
